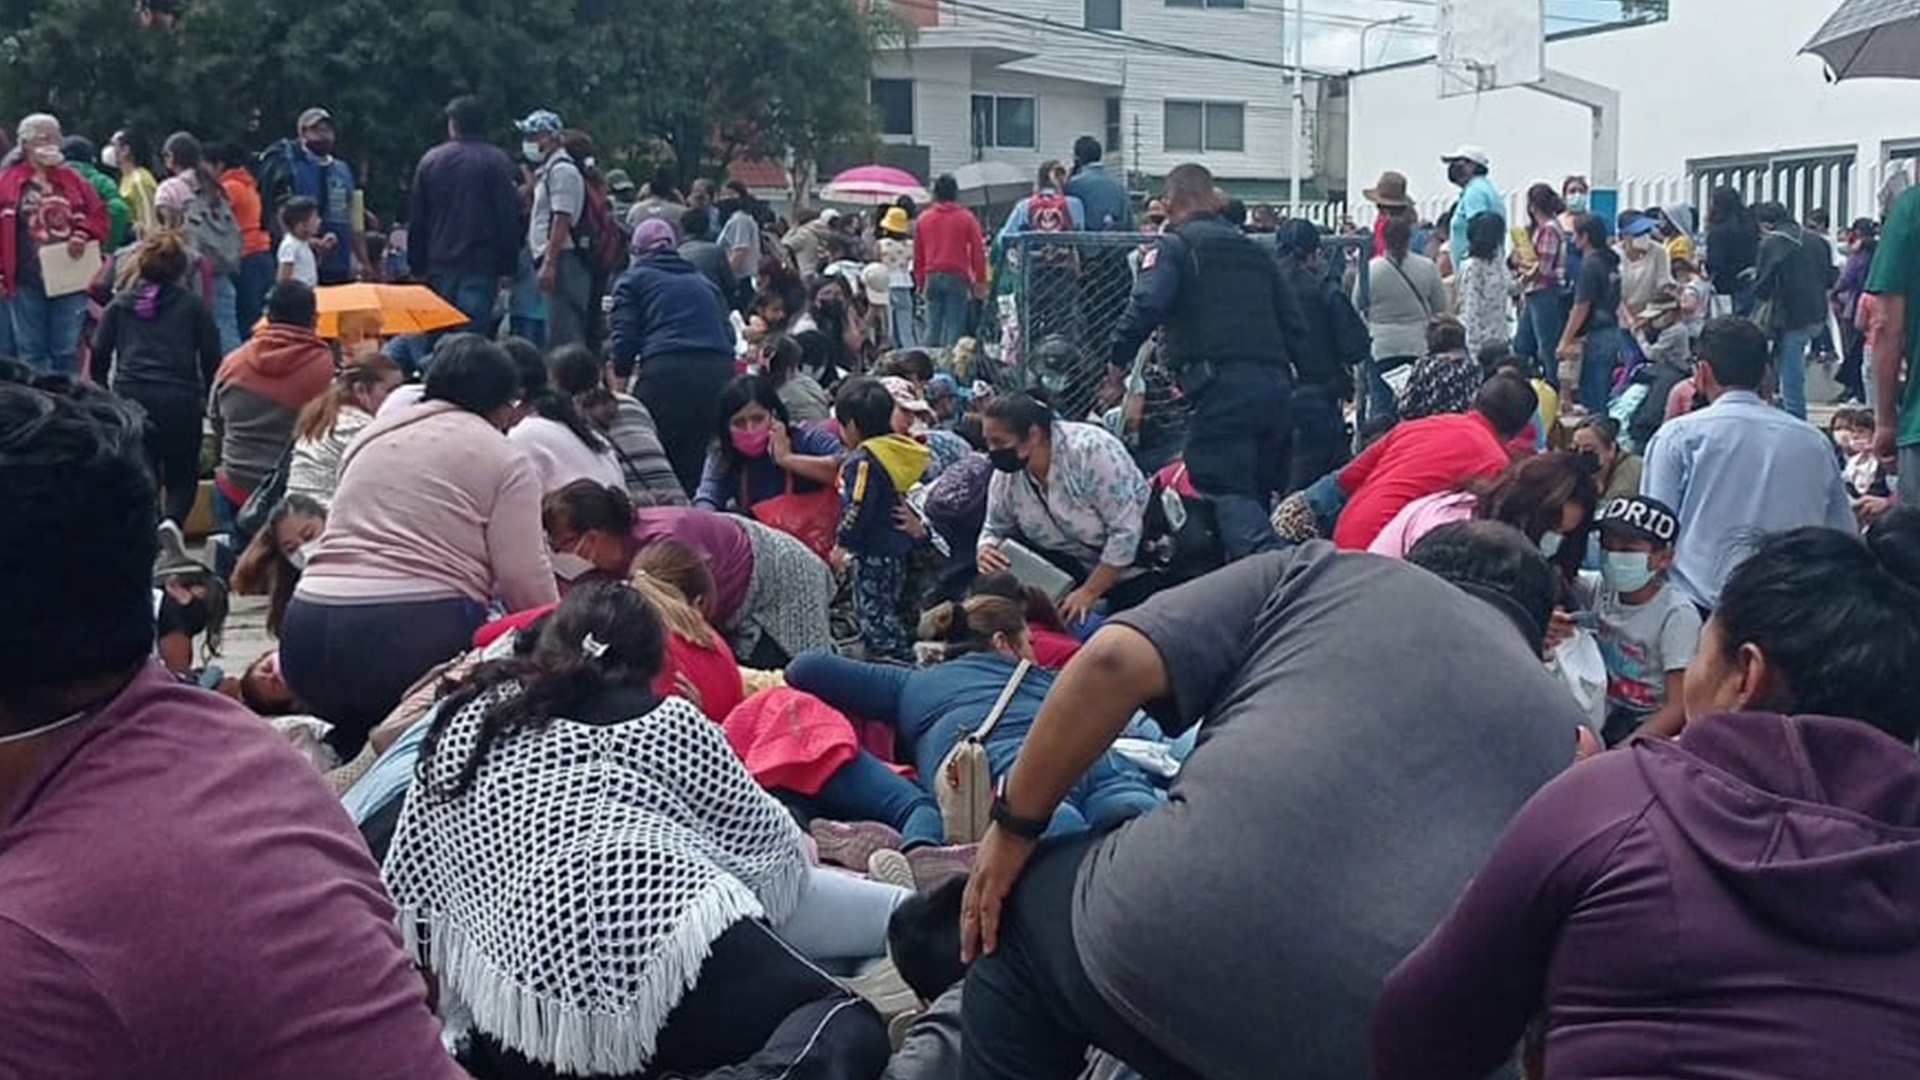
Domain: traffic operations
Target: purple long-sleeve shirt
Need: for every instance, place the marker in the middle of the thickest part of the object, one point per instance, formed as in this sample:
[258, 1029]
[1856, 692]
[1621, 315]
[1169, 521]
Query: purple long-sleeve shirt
[1740, 904]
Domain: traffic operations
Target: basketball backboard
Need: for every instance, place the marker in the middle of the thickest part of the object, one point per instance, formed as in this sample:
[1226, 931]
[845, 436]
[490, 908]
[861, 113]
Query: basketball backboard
[1490, 44]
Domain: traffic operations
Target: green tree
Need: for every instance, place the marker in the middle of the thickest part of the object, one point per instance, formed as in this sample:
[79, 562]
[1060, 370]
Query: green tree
[700, 81]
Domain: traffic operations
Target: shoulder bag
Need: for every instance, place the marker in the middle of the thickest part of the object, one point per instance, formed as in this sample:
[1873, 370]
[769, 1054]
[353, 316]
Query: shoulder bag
[964, 788]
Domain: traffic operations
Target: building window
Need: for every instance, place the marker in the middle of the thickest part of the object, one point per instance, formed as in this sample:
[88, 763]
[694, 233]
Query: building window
[1232, 5]
[1103, 14]
[1206, 126]
[1113, 125]
[893, 106]
[1005, 122]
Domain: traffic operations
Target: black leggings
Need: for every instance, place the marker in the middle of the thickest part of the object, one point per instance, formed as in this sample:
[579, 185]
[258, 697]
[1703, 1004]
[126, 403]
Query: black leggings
[352, 663]
[682, 391]
[758, 1010]
[173, 444]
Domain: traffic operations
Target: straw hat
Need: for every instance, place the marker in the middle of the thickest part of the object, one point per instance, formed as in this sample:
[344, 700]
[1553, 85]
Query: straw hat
[1389, 190]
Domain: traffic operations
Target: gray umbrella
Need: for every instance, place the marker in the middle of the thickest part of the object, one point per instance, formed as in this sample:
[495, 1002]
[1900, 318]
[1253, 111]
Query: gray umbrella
[992, 183]
[1869, 39]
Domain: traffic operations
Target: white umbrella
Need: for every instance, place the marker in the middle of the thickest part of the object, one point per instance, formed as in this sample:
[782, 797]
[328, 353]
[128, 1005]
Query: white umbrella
[986, 183]
[1868, 39]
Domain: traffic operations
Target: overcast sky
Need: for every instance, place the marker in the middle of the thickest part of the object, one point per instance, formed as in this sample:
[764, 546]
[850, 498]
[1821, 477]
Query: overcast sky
[1331, 47]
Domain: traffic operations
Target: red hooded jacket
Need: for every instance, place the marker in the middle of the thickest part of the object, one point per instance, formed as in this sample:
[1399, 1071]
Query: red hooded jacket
[90, 221]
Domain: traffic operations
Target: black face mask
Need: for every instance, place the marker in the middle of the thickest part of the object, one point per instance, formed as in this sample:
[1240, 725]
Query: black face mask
[191, 617]
[1590, 459]
[320, 147]
[1007, 459]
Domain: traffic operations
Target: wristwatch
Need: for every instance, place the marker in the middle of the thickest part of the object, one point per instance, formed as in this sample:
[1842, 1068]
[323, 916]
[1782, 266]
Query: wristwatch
[1024, 828]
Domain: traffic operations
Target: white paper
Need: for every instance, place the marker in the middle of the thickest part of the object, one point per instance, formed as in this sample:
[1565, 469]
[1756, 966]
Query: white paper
[62, 275]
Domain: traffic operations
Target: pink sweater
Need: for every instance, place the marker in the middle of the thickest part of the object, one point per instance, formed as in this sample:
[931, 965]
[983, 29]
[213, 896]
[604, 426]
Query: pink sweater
[433, 502]
[1417, 519]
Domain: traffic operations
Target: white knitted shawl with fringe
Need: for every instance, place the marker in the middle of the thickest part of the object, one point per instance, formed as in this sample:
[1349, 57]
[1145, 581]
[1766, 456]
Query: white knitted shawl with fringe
[568, 900]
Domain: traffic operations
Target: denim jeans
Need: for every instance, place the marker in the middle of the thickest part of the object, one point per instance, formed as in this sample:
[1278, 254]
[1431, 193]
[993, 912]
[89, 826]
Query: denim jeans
[1790, 366]
[473, 294]
[1320, 443]
[226, 311]
[1113, 790]
[256, 281]
[6, 328]
[1545, 316]
[864, 789]
[904, 335]
[947, 299]
[46, 331]
[1599, 353]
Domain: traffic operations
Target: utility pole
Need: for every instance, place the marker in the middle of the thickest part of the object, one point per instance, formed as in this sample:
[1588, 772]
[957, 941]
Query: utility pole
[1299, 100]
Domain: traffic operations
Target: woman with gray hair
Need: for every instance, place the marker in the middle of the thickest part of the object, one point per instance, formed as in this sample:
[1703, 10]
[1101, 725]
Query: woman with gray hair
[49, 215]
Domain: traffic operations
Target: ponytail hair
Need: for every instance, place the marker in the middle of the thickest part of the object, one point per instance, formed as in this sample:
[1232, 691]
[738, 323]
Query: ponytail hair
[1040, 608]
[366, 367]
[603, 636]
[187, 154]
[966, 627]
[677, 582]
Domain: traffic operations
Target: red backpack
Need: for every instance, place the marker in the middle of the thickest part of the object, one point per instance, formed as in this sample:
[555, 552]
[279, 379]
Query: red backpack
[1048, 213]
[603, 243]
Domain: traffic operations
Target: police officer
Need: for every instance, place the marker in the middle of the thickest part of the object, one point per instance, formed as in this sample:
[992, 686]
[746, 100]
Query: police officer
[1335, 345]
[1226, 317]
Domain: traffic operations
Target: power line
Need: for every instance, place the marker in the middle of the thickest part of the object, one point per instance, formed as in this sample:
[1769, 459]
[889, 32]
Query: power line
[1112, 36]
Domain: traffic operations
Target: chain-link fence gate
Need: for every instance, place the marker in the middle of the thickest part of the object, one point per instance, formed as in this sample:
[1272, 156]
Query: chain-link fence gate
[1068, 293]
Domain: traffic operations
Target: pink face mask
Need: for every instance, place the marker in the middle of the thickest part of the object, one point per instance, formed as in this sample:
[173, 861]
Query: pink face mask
[752, 442]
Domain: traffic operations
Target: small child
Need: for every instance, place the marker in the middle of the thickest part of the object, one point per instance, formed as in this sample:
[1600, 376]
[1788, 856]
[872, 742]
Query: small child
[1852, 431]
[1648, 632]
[874, 480]
[1485, 286]
[297, 257]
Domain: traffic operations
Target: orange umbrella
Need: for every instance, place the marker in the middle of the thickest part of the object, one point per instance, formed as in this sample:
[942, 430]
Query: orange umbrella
[401, 309]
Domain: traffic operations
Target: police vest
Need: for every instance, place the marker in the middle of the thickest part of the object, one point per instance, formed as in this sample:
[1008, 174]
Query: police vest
[1225, 313]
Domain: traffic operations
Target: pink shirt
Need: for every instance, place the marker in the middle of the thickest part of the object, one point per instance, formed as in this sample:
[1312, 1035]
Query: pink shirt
[181, 896]
[559, 457]
[1417, 519]
[433, 502]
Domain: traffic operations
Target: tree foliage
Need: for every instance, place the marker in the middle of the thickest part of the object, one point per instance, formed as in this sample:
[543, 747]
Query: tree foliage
[649, 79]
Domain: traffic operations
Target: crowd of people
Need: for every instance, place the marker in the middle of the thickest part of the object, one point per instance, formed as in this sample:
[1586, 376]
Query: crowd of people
[703, 662]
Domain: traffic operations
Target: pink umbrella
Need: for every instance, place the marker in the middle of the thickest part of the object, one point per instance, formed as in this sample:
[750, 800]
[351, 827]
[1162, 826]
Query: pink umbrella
[873, 185]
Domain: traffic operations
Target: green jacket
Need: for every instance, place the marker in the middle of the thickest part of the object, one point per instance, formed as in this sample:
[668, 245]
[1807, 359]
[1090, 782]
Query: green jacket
[117, 213]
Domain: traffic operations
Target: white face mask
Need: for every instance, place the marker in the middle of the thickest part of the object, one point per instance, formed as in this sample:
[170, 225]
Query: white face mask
[1626, 571]
[1550, 542]
[1577, 202]
[109, 158]
[303, 555]
[48, 156]
[531, 151]
[570, 567]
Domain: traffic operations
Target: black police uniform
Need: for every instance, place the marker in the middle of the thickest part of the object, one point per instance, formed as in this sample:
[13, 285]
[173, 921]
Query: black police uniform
[1226, 316]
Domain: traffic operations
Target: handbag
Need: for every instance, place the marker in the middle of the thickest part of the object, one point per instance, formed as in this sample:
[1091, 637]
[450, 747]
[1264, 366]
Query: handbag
[964, 787]
[811, 517]
[253, 514]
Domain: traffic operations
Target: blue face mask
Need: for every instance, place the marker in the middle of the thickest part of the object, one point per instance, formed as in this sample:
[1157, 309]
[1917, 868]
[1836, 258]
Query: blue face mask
[1626, 571]
[531, 151]
[1550, 542]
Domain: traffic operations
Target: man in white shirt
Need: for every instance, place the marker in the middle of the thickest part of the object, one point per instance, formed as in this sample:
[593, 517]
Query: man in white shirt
[559, 200]
[1738, 469]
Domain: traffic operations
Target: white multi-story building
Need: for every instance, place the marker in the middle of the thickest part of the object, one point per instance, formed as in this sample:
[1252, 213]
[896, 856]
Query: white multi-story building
[1158, 82]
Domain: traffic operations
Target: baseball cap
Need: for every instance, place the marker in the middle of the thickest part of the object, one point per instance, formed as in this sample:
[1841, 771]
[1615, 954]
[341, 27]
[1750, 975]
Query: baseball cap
[877, 280]
[905, 396]
[943, 385]
[315, 115]
[1467, 152]
[618, 180]
[1640, 517]
[540, 122]
[1639, 226]
[651, 235]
